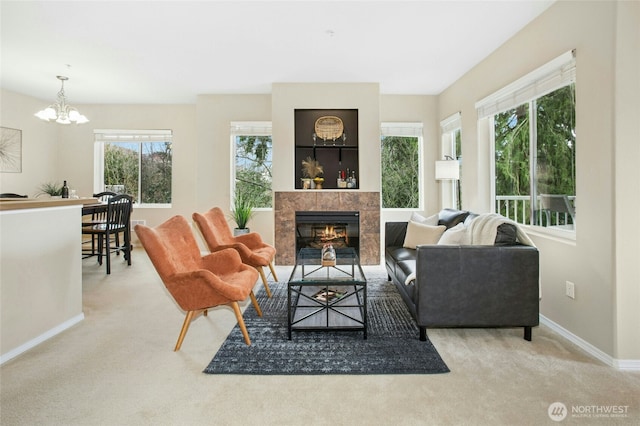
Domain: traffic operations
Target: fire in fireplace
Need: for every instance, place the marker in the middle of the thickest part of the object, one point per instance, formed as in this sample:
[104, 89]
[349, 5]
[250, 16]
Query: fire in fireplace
[317, 228]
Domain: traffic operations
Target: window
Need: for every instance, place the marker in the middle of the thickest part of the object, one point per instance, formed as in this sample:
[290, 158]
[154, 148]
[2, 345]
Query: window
[135, 162]
[401, 151]
[534, 144]
[253, 148]
[450, 128]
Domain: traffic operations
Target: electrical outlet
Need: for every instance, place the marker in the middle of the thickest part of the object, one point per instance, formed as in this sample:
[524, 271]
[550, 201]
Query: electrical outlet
[571, 289]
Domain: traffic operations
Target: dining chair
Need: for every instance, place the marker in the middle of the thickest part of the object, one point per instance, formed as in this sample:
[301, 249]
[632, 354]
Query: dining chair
[197, 283]
[12, 195]
[118, 220]
[252, 249]
[99, 216]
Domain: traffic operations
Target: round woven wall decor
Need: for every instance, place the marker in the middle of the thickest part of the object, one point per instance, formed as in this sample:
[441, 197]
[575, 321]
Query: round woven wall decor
[329, 127]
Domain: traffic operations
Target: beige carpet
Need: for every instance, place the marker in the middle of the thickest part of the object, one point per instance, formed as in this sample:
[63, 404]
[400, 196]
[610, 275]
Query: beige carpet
[117, 367]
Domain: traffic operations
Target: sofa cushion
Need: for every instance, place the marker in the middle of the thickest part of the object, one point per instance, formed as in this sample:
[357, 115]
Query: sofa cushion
[418, 233]
[399, 254]
[456, 236]
[451, 217]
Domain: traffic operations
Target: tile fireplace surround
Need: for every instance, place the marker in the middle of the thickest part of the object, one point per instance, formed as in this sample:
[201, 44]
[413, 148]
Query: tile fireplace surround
[287, 203]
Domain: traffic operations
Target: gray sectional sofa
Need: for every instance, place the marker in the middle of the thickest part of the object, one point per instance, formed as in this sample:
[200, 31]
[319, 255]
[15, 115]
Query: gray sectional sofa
[466, 285]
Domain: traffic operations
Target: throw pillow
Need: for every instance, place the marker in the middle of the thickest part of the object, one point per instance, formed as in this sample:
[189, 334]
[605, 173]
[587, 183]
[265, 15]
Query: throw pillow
[506, 234]
[431, 220]
[456, 236]
[419, 233]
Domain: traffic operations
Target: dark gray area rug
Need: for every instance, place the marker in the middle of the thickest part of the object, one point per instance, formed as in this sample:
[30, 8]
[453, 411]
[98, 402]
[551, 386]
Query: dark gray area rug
[392, 345]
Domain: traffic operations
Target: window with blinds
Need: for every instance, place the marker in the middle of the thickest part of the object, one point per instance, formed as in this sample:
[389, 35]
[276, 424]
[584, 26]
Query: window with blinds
[533, 137]
[135, 162]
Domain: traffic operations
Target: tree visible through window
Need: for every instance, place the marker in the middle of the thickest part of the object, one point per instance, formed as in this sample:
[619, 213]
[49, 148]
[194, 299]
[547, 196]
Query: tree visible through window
[253, 157]
[136, 163]
[400, 167]
[535, 155]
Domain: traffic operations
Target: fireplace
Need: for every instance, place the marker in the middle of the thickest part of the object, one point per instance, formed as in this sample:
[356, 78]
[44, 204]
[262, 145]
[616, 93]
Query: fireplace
[316, 228]
[365, 204]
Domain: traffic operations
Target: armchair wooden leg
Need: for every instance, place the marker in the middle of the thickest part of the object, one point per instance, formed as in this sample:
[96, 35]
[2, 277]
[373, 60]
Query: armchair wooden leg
[264, 280]
[238, 313]
[273, 271]
[185, 327]
[254, 301]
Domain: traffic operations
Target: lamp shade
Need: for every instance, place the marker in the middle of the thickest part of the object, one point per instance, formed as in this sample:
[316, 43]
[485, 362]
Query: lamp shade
[447, 170]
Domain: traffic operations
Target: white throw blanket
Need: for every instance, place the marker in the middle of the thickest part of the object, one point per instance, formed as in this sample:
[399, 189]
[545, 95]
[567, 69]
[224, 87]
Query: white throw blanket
[484, 228]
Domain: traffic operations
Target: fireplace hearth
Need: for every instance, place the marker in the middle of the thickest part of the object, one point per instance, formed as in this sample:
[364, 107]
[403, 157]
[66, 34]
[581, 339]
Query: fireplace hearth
[341, 229]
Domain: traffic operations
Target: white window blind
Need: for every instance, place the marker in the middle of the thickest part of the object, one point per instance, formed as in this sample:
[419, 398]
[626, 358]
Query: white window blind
[451, 123]
[109, 135]
[553, 75]
[401, 129]
[251, 128]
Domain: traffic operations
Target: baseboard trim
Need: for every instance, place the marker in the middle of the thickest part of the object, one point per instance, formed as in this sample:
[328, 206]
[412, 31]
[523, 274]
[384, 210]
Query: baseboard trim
[620, 364]
[41, 338]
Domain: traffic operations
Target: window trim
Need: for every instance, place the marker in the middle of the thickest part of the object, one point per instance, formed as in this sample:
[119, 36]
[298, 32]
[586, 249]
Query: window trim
[247, 128]
[448, 127]
[126, 135]
[407, 129]
[552, 76]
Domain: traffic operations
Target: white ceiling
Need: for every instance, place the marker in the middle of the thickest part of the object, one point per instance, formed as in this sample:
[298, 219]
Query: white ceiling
[171, 51]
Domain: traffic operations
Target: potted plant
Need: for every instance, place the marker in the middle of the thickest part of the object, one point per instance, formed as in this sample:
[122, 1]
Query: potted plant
[241, 212]
[53, 189]
[312, 170]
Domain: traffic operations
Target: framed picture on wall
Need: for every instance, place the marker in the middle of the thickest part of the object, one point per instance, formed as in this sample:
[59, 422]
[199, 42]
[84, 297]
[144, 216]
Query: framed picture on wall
[10, 150]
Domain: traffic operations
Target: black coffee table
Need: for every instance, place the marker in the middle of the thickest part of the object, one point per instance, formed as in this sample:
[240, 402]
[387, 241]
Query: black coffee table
[327, 298]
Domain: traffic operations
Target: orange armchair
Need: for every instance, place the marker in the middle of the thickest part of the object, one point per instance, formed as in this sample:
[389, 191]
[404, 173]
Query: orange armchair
[253, 251]
[197, 283]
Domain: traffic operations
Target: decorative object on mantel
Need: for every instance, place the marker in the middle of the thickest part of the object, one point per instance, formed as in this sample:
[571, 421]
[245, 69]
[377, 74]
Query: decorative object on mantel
[10, 150]
[61, 111]
[311, 169]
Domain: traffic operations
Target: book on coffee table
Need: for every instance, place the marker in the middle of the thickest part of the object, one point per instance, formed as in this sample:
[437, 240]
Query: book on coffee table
[326, 295]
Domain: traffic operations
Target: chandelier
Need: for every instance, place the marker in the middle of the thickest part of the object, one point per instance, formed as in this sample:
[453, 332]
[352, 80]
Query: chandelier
[61, 112]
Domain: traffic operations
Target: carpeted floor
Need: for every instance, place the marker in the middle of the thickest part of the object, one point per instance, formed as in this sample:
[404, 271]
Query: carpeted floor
[392, 345]
[118, 367]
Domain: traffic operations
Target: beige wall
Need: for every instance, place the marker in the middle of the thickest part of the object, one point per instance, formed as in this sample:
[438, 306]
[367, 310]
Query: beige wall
[287, 97]
[589, 261]
[627, 178]
[40, 145]
[214, 157]
[419, 109]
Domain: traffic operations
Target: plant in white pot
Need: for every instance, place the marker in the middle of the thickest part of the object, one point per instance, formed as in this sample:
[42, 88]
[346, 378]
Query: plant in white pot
[242, 211]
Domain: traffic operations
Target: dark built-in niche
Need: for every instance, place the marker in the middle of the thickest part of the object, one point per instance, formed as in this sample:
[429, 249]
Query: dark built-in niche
[334, 155]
